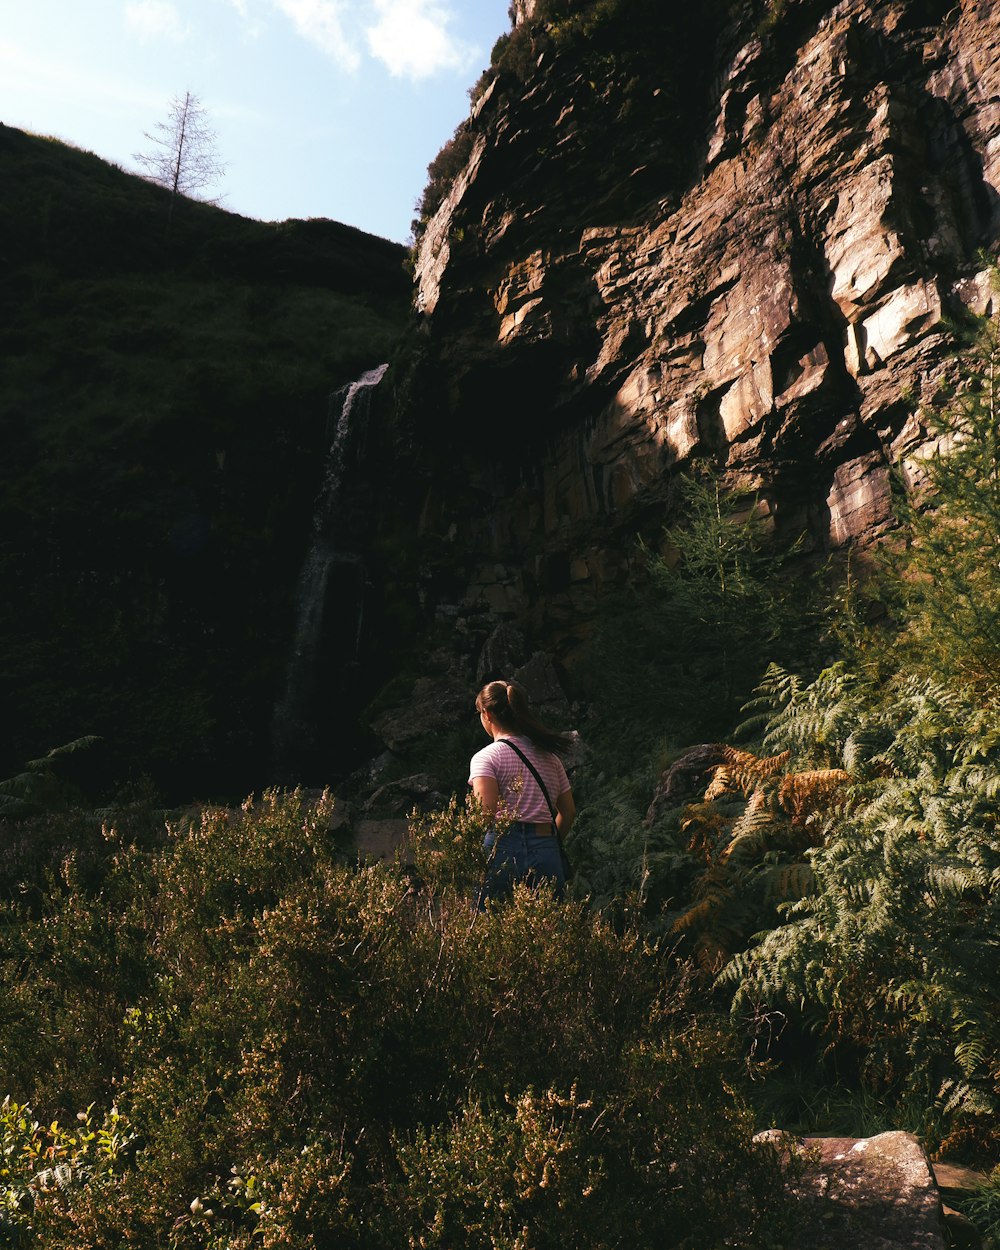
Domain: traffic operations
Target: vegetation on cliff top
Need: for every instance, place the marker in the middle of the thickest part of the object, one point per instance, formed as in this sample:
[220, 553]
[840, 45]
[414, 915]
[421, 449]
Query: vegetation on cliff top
[645, 61]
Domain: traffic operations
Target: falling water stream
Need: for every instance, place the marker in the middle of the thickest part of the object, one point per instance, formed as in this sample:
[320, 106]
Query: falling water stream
[296, 713]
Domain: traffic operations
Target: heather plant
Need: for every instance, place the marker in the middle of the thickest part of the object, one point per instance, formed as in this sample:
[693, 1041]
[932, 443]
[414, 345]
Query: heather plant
[441, 173]
[315, 1053]
[72, 960]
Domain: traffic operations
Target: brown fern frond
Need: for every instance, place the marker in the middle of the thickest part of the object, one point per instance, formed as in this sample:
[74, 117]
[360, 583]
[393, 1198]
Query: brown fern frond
[711, 954]
[803, 794]
[722, 783]
[760, 767]
[704, 825]
[743, 772]
[713, 897]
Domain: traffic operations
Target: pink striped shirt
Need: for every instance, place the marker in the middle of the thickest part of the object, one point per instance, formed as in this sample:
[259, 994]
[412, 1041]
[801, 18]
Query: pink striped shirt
[519, 791]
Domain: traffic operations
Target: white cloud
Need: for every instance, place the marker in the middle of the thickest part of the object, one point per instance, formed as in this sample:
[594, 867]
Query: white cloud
[411, 38]
[155, 19]
[321, 23]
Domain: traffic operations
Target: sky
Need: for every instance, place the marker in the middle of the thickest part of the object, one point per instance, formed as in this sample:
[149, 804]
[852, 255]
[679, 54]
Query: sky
[320, 108]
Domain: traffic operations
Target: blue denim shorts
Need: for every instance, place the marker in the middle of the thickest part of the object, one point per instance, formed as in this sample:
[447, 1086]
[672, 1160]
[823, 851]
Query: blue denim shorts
[521, 854]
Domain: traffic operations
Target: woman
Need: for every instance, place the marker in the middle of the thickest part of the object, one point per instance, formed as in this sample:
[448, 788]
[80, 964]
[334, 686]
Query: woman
[521, 773]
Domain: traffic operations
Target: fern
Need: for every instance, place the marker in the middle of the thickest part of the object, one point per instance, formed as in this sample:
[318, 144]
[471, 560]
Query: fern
[784, 882]
[807, 794]
[37, 786]
[752, 833]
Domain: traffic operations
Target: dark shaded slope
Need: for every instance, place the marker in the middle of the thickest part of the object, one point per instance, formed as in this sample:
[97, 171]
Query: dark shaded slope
[162, 417]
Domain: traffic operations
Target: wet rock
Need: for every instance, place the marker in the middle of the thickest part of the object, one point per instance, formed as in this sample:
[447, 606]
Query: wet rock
[433, 704]
[543, 687]
[502, 652]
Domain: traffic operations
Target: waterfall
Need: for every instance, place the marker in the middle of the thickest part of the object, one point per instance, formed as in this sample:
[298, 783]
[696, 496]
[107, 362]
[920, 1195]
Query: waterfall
[297, 711]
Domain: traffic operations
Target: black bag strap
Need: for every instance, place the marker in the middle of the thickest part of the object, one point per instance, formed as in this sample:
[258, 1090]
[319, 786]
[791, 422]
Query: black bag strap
[534, 772]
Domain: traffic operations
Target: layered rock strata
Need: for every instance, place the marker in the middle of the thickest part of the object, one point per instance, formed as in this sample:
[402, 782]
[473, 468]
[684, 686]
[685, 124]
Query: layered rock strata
[599, 314]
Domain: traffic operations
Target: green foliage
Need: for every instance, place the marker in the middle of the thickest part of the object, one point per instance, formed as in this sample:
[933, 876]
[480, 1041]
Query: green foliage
[893, 949]
[41, 1167]
[945, 578]
[623, 864]
[37, 787]
[682, 653]
[774, 13]
[983, 1208]
[316, 1055]
[670, 664]
[807, 1100]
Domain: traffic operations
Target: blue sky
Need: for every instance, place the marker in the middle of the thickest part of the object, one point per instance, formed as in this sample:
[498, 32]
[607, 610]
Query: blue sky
[321, 108]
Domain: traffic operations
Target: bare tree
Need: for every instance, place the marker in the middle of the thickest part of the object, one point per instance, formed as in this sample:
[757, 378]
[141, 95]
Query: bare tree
[183, 157]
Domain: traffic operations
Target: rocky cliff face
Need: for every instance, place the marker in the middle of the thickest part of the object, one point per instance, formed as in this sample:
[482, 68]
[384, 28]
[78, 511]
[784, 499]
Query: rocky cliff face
[614, 289]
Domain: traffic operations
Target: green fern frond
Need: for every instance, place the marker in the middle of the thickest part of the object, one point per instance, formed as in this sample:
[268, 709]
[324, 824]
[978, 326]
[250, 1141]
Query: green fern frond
[774, 693]
[751, 834]
[788, 882]
[70, 748]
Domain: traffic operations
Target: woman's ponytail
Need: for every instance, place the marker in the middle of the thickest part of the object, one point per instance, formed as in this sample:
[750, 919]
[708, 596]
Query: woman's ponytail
[508, 705]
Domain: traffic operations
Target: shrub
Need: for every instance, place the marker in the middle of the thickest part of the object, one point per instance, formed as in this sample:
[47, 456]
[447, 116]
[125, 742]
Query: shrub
[441, 173]
[72, 964]
[44, 1168]
[314, 1054]
[679, 655]
[944, 579]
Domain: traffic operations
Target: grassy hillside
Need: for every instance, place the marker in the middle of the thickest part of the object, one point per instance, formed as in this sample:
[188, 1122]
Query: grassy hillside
[163, 408]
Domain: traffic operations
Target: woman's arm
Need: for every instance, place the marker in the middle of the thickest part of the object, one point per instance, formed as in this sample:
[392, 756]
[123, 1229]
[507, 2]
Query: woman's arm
[486, 790]
[565, 812]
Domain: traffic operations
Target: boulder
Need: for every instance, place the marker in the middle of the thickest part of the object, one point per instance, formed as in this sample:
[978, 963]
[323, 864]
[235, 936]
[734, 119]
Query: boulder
[397, 799]
[379, 839]
[686, 779]
[875, 1193]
